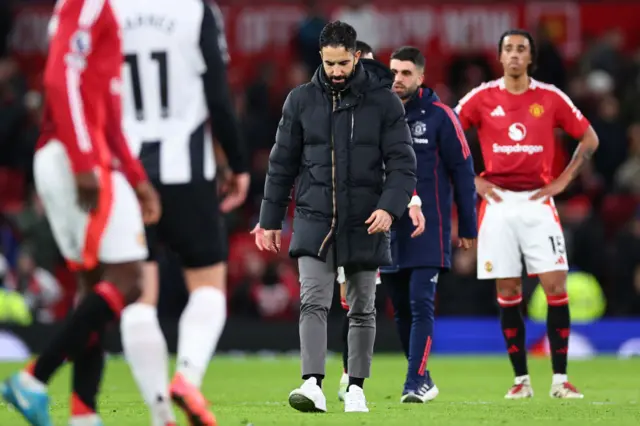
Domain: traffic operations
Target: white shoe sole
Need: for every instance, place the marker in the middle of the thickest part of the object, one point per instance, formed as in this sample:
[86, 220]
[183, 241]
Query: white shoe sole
[304, 404]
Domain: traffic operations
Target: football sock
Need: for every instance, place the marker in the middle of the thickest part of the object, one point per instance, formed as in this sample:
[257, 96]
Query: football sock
[145, 349]
[92, 314]
[356, 381]
[345, 343]
[87, 375]
[558, 330]
[199, 330]
[514, 333]
[422, 296]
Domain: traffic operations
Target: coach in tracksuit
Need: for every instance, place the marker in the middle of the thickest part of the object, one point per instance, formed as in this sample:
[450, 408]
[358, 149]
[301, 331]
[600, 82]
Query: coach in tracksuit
[445, 174]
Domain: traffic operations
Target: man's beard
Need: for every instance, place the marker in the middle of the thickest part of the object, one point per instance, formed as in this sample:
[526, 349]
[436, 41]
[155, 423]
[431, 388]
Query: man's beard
[340, 85]
[408, 93]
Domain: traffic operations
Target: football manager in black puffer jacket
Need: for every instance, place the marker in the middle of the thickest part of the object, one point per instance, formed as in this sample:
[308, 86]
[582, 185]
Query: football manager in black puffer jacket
[344, 143]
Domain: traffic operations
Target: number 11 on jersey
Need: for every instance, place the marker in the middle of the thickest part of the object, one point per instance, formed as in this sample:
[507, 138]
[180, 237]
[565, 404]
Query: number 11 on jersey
[161, 58]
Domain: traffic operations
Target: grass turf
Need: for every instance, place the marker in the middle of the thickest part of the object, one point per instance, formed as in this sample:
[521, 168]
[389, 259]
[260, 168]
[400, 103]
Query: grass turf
[253, 391]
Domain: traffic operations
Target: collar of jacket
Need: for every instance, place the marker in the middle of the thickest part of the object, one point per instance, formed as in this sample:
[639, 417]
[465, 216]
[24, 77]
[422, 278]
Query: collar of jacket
[356, 84]
[378, 70]
[420, 97]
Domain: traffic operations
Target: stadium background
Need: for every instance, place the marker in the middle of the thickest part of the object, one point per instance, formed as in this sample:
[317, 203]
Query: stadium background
[588, 49]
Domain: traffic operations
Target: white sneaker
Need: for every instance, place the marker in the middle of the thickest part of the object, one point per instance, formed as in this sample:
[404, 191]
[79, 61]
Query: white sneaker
[521, 389]
[344, 383]
[565, 391]
[355, 401]
[85, 420]
[308, 398]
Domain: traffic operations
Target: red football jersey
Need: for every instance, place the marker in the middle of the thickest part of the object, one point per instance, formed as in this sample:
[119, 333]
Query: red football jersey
[516, 132]
[82, 88]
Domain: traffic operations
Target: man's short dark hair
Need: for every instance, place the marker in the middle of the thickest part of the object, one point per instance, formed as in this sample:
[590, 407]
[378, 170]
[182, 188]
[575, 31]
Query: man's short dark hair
[363, 47]
[411, 54]
[532, 45]
[336, 34]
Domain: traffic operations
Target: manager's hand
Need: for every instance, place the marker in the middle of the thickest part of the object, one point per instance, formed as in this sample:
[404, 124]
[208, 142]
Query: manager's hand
[379, 221]
[415, 213]
[258, 233]
[271, 239]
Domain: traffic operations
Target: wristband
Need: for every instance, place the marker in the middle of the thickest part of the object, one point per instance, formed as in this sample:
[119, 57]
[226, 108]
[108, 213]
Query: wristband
[415, 201]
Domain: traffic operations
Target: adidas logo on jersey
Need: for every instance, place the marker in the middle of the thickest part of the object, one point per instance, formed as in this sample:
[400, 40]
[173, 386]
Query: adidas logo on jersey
[498, 112]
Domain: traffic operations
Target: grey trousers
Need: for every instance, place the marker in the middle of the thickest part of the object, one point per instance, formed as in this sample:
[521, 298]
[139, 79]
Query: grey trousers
[317, 280]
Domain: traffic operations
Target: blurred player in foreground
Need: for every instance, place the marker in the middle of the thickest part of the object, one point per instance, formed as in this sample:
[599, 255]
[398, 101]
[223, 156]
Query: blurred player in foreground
[92, 190]
[516, 117]
[421, 251]
[174, 82]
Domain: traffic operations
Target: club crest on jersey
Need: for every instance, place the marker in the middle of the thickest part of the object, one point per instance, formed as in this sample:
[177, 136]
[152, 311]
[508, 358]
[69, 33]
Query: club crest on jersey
[488, 266]
[81, 43]
[418, 129]
[536, 110]
[517, 132]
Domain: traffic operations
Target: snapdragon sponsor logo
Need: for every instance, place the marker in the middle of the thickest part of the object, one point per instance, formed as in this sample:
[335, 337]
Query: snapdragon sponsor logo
[517, 149]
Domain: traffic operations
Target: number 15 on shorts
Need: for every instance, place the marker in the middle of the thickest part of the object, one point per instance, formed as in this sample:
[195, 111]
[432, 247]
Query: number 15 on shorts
[557, 244]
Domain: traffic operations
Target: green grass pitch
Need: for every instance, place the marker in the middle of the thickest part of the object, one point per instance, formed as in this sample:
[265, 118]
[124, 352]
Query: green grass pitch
[253, 391]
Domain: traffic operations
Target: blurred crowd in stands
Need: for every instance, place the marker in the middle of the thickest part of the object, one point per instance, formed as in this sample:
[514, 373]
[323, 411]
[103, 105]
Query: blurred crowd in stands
[600, 212]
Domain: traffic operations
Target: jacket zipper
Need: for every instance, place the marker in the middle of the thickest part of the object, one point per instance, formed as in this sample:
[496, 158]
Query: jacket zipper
[336, 100]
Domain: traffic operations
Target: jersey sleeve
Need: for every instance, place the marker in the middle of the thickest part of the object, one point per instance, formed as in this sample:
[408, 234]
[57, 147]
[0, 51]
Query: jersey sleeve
[131, 166]
[468, 110]
[223, 118]
[67, 64]
[568, 116]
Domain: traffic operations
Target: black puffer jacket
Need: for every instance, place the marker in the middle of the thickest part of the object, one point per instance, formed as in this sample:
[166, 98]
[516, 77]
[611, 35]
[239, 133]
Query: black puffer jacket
[349, 153]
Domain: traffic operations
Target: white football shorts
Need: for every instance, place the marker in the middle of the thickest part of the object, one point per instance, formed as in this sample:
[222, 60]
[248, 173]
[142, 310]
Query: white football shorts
[518, 227]
[113, 233]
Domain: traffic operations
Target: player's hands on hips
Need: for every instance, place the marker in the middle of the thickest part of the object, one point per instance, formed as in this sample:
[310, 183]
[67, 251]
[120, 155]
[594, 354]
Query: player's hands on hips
[379, 221]
[487, 190]
[88, 190]
[237, 192]
[415, 213]
[466, 243]
[259, 236]
[551, 190]
[149, 203]
[271, 239]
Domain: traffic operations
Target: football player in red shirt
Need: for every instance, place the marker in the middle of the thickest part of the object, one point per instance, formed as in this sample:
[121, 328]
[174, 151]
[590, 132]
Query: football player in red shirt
[96, 196]
[516, 117]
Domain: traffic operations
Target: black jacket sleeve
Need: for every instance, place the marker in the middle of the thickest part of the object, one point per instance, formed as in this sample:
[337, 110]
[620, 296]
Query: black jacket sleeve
[284, 163]
[399, 159]
[223, 118]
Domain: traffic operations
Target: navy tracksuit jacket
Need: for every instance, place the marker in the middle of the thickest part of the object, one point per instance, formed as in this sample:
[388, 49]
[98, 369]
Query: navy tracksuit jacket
[445, 174]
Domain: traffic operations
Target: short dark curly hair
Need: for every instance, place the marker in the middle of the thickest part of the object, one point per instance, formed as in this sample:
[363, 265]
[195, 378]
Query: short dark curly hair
[532, 46]
[338, 33]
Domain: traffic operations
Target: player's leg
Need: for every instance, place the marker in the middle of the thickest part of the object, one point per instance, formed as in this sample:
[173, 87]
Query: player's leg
[80, 237]
[361, 297]
[344, 378]
[144, 345]
[545, 256]
[88, 368]
[193, 228]
[419, 386]
[397, 286]
[143, 342]
[317, 280]
[499, 258]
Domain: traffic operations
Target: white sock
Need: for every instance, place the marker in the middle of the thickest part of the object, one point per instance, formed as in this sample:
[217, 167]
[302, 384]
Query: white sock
[146, 352]
[200, 327]
[559, 379]
[522, 379]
